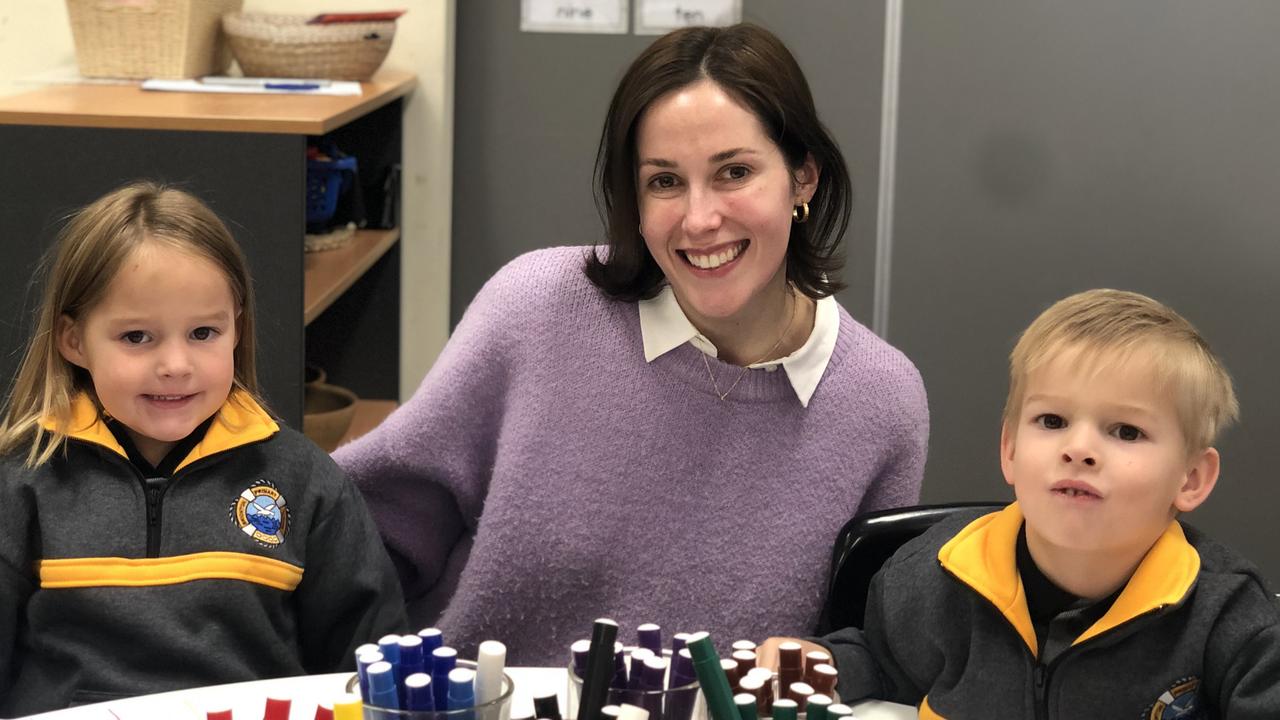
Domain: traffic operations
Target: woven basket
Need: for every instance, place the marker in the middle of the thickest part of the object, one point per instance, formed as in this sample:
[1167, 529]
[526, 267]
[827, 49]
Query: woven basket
[150, 38]
[285, 46]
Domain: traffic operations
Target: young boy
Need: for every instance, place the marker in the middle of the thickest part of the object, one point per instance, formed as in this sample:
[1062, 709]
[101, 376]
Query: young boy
[1086, 598]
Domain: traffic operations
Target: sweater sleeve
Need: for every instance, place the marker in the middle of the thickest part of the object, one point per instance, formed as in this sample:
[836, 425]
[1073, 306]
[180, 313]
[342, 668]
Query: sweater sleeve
[425, 470]
[1243, 659]
[898, 482]
[17, 573]
[349, 594]
[865, 659]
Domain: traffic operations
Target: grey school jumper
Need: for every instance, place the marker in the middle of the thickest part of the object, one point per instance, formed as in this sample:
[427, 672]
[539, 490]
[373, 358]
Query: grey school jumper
[1193, 635]
[257, 559]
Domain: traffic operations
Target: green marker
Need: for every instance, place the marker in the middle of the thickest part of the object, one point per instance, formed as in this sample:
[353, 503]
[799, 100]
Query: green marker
[785, 709]
[711, 677]
[746, 703]
[817, 706]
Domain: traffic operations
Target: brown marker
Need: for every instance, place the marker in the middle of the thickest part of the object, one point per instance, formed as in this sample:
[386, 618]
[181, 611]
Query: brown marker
[823, 679]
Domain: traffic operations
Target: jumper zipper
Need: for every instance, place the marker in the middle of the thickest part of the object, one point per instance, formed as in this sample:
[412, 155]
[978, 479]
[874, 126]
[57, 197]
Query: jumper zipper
[155, 488]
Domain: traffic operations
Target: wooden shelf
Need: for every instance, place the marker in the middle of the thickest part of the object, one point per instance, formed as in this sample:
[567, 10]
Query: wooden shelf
[328, 273]
[129, 106]
[369, 414]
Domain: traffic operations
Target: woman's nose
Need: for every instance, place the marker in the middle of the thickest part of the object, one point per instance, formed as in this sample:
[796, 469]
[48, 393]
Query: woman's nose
[703, 213]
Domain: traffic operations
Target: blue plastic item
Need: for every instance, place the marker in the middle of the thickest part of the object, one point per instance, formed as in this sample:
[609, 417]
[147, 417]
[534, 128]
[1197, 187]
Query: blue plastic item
[326, 181]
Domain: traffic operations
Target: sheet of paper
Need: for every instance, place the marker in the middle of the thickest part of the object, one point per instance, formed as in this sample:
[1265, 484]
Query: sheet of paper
[574, 16]
[271, 86]
[655, 17]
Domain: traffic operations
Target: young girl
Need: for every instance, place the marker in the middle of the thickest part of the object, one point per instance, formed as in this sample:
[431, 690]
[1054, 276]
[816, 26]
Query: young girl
[160, 529]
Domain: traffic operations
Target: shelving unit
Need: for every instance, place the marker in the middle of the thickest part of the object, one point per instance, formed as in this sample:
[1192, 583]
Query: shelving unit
[245, 155]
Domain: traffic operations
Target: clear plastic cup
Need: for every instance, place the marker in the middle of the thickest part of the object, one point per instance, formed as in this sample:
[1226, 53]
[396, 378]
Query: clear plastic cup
[679, 703]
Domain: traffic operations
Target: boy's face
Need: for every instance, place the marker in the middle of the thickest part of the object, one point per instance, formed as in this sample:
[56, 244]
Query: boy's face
[1097, 458]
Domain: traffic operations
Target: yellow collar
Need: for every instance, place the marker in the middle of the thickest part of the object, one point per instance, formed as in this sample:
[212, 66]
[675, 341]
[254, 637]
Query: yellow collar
[240, 421]
[983, 556]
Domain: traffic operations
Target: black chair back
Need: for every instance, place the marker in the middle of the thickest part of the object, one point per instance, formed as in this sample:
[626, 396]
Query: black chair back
[863, 546]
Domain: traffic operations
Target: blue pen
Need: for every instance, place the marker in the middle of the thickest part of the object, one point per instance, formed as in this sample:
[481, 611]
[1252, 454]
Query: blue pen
[382, 686]
[443, 660]
[419, 697]
[432, 638]
[390, 647]
[291, 86]
[462, 693]
[411, 661]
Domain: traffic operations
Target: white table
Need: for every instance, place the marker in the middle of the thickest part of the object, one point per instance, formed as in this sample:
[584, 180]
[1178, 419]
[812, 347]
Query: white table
[246, 700]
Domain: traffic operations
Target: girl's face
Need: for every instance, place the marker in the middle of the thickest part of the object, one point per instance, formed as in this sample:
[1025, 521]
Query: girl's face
[159, 346]
[715, 197]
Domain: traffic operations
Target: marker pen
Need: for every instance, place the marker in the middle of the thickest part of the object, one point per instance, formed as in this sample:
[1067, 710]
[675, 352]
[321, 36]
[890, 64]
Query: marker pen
[682, 686]
[599, 670]
[619, 679]
[681, 668]
[462, 691]
[631, 712]
[277, 709]
[635, 675]
[652, 671]
[362, 668]
[218, 715]
[649, 635]
[443, 660]
[418, 695]
[382, 686]
[390, 647]
[790, 664]
[811, 660]
[746, 703]
[823, 679]
[547, 707]
[610, 712]
[366, 648]
[715, 686]
[491, 658]
[816, 708]
[731, 673]
[746, 660]
[577, 654]
[799, 691]
[755, 685]
[838, 710]
[348, 707]
[411, 661]
[432, 638]
[785, 709]
[323, 712]
[678, 642]
[743, 645]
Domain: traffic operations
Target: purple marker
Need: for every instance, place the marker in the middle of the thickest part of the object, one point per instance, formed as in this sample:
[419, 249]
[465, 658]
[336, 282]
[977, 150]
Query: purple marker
[650, 636]
[432, 638]
[678, 641]
[579, 650]
[635, 678]
[619, 667]
[652, 671]
[443, 660]
[419, 697]
[682, 672]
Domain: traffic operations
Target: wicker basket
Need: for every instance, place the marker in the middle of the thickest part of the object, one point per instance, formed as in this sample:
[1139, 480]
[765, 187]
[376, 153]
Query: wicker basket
[285, 46]
[150, 38]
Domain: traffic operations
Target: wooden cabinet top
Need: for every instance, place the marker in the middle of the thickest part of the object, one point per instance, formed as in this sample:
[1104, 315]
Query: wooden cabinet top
[129, 106]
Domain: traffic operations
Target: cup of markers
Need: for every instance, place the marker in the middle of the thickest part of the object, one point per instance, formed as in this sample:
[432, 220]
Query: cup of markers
[647, 676]
[418, 677]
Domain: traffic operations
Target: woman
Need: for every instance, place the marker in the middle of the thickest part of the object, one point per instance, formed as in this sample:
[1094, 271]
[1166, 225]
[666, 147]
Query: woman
[671, 428]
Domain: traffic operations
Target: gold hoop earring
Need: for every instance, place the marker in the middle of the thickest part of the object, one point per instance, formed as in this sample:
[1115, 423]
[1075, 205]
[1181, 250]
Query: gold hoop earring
[800, 213]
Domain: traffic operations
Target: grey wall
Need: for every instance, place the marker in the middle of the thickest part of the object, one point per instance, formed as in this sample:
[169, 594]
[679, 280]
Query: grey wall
[529, 107]
[1043, 148]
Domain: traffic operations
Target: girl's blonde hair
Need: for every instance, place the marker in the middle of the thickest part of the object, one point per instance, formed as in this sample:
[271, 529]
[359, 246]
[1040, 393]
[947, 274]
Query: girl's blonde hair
[1107, 327]
[80, 267]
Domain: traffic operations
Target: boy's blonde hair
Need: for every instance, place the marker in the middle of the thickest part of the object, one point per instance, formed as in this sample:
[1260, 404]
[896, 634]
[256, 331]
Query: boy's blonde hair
[1107, 326]
[80, 267]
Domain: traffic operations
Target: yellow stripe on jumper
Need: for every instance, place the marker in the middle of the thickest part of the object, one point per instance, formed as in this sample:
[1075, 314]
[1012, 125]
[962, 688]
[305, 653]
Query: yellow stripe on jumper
[143, 572]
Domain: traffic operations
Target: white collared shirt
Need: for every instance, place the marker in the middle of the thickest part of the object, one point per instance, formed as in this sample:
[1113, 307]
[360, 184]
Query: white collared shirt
[665, 327]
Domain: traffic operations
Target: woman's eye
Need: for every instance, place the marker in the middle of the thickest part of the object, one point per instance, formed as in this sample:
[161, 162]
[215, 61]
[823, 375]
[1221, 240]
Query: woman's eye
[134, 337]
[1128, 433]
[1049, 421]
[662, 182]
[737, 172]
[204, 333]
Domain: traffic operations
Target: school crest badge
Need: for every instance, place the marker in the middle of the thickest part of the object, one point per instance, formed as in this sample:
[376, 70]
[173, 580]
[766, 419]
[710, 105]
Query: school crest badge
[261, 513]
[1179, 702]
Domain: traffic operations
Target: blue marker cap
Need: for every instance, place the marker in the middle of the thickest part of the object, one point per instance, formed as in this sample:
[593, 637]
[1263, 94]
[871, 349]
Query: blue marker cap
[443, 660]
[432, 638]
[382, 686]
[462, 688]
[390, 647]
[418, 693]
[363, 661]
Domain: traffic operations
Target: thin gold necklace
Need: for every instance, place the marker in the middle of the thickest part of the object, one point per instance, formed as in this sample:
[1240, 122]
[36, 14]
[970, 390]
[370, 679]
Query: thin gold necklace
[745, 368]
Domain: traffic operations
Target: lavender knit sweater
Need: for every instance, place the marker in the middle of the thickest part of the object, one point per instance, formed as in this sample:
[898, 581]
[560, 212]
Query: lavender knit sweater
[544, 475]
